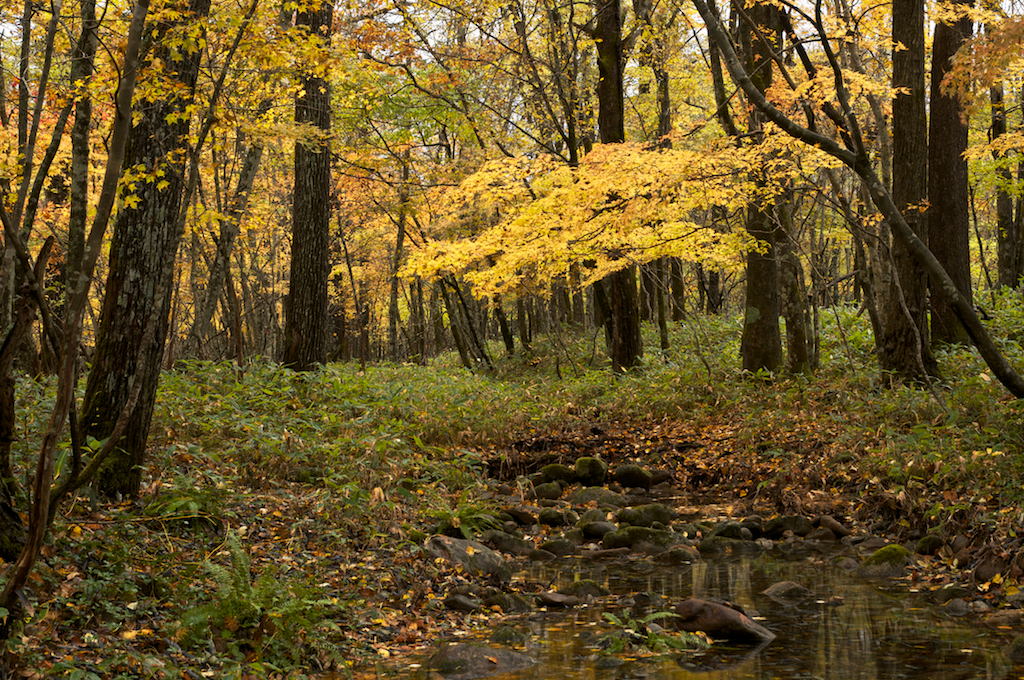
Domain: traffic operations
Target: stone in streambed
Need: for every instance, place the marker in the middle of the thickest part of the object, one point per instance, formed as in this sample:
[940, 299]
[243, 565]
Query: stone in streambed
[635, 538]
[632, 476]
[604, 498]
[719, 621]
[555, 517]
[591, 471]
[798, 524]
[721, 545]
[556, 472]
[475, 557]
[506, 543]
[597, 529]
[646, 515]
[787, 593]
[466, 661]
[885, 562]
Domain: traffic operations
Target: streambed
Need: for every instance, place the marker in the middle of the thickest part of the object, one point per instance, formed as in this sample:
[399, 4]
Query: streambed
[851, 629]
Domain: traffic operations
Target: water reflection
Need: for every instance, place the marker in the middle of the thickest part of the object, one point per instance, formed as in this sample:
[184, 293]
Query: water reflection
[875, 633]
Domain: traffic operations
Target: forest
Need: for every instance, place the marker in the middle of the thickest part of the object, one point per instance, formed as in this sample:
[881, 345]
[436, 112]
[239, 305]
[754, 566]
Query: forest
[342, 267]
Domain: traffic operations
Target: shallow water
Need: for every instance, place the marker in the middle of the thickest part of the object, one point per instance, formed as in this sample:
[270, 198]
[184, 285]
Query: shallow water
[882, 629]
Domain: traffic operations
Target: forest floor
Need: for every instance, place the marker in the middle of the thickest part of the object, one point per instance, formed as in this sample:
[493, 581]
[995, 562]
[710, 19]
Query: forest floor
[280, 528]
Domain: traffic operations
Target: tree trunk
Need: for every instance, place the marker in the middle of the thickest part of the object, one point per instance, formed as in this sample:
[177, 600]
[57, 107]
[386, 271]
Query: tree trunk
[306, 323]
[625, 346]
[948, 199]
[905, 348]
[761, 343]
[138, 289]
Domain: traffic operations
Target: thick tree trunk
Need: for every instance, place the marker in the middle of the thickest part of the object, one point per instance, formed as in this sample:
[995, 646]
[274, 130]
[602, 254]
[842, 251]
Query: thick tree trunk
[625, 346]
[1007, 235]
[138, 289]
[948, 199]
[905, 349]
[761, 343]
[306, 323]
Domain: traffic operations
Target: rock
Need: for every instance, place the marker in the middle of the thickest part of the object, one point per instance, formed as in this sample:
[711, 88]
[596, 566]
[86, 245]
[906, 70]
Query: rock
[603, 554]
[728, 529]
[787, 593]
[718, 621]
[510, 636]
[660, 477]
[556, 472]
[798, 524]
[822, 534]
[541, 555]
[466, 661]
[720, 545]
[475, 557]
[558, 546]
[604, 498]
[848, 564]
[596, 530]
[584, 588]
[956, 607]
[1005, 617]
[555, 517]
[683, 554]
[557, 600]
[508, 602]
[988, 568]
[462, 603]
[523, 516]
[928, 545]
[591, 471]
[632, 476]
[885, 562]
[646, 515]
[548, 490]
[636, 538]
[1015, 650]
[951, 591]
[831, 523]
[506, 543]
[594, 515]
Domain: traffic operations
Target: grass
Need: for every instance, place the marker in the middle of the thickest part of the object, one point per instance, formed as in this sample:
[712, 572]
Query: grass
[329, 478]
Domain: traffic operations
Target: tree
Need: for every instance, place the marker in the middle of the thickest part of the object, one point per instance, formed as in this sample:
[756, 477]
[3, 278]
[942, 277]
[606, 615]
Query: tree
[306, 317]
[853, 154]
[948, 199]
[761, 343]
[905, 349]
[625, 346]
[135, 315]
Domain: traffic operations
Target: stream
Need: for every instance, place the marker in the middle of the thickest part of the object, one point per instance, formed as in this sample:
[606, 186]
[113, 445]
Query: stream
[851, 629]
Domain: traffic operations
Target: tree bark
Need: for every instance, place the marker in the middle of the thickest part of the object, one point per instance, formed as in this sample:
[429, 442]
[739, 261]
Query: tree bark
[625, 346]
[306, 323]
[147, 231]
[948, 198]
[905, 349]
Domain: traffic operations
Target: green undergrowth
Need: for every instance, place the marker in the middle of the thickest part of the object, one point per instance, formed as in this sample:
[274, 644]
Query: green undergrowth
[268, 489]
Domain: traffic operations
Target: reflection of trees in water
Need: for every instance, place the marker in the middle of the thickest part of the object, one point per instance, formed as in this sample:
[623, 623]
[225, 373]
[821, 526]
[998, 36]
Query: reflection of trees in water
[875, 634]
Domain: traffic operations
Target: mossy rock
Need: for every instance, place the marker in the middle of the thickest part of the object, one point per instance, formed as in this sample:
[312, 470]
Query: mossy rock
[636, 538]
[646, 515]
[928, 545]
[556, 517]
[548, 490]
[583, 588]
[605, 498]
[597, 529]
[728, 529]
[722, 545]
[556, 472]
[559, 546]
[510, 636]
[509, 603]
[885, 562]
[630, 475]
[591, 471]
[594, 515]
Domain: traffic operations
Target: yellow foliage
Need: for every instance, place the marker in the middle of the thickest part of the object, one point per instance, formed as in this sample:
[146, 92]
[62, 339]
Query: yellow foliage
[521, 223]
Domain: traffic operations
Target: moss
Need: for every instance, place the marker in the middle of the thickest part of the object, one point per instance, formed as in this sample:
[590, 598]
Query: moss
[890, 554]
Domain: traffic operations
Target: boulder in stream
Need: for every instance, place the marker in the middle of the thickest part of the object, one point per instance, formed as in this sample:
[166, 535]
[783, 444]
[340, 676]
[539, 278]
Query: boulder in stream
[787, 593]
[719, 621]
[632, 476]
[798, 524]
[646, 515]
[591, 471]
[641, 539]
[885, 562]
[475, 558]
[467, 661]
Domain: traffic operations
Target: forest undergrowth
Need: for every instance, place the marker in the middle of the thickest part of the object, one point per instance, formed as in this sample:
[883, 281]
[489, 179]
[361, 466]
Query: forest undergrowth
[281, 522]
